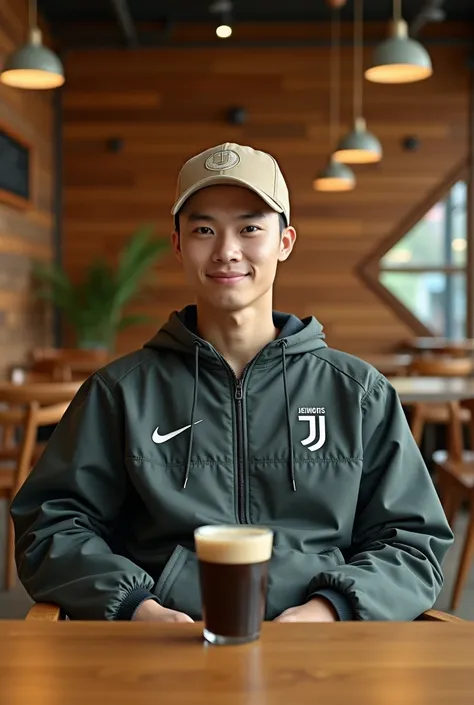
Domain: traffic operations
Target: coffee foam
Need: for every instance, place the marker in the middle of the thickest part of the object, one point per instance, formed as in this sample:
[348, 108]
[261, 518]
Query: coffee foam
[233, 545]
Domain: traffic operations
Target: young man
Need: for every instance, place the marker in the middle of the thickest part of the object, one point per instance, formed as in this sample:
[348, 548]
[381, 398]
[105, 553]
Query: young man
[233, 413]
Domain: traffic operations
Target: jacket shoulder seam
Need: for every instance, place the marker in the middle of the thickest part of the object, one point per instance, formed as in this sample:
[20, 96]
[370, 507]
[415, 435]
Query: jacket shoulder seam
[119, 379]
[375, 384]
[346, 374]
[105, 385]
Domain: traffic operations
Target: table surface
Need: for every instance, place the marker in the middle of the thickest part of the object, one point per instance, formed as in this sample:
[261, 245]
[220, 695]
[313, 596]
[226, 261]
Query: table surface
[356, 663]
[49, 392]
[430, 343]
[389, 364]
[433, 389]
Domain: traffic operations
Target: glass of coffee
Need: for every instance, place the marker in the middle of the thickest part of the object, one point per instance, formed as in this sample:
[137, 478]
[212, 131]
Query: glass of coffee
[233, 570]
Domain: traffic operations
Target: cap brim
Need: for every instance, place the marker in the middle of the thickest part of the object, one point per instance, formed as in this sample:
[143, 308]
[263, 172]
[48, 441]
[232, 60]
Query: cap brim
[220, 179]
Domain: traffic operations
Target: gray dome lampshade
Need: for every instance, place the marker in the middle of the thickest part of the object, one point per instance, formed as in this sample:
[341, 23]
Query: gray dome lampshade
[399, 59]
[359, 146]
[33, 66]
[335, 177]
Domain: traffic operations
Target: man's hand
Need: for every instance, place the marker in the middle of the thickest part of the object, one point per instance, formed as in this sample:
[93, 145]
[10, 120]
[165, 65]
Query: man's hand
[316, 610]
[151, 611]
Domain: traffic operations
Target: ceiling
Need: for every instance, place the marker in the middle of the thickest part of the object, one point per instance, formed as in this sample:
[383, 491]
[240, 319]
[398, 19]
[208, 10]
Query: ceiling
[65, 15]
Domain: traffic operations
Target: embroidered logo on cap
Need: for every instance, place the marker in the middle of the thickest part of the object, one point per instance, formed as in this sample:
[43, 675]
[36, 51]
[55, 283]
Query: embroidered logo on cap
[222, 160]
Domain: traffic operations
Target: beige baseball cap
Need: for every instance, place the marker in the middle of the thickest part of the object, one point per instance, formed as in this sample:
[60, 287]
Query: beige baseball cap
[231, 163]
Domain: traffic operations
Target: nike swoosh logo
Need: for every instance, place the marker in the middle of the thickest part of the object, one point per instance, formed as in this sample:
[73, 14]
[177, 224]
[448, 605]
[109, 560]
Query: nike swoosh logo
[156, 438]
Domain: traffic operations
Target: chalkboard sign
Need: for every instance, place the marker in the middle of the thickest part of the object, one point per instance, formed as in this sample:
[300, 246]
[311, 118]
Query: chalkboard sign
[15, 170]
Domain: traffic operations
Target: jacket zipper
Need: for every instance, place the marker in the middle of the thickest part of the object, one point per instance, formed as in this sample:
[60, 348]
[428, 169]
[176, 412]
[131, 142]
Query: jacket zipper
[240, 450]
[240, 461]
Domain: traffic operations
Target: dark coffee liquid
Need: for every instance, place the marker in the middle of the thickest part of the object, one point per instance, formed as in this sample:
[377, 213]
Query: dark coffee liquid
[233, 597]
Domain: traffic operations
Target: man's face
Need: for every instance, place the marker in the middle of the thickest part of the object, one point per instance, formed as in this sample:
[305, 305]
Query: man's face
[230, 246]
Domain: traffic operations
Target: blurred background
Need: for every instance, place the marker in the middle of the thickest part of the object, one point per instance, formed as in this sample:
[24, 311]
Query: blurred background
[367, 105]
[148, 83]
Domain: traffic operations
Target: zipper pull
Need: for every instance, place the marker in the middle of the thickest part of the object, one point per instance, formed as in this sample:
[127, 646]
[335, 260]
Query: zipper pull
[238, 390]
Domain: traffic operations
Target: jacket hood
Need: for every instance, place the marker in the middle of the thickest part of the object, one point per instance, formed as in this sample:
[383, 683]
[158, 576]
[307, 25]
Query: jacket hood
[179, 334]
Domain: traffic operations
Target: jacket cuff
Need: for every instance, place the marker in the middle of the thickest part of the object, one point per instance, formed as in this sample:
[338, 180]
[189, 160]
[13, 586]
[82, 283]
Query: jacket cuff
[133, 600]
[340, 603]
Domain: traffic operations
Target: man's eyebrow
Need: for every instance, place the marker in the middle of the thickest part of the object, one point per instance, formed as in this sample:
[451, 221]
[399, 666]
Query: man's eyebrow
[193, 217]
[250, 216]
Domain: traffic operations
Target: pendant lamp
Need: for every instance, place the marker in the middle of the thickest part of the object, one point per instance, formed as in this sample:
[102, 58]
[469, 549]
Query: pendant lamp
[359, 146]
[335, 176]
[33, 66]
[399, 59]
[224, 9]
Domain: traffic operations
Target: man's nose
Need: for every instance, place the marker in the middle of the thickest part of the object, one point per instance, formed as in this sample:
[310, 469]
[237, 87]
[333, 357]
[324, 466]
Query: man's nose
[227, 249]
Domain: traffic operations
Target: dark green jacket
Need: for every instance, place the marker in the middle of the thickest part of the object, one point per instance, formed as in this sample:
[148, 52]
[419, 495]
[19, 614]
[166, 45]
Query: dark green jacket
[311, 442]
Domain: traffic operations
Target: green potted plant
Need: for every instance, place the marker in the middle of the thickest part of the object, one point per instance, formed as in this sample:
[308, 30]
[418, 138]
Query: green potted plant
[94, 307]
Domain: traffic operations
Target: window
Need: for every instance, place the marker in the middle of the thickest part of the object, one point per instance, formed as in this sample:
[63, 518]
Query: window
[426, 269]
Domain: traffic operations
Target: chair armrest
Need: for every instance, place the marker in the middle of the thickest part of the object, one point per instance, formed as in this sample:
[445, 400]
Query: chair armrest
[437, 616]
[44, 611]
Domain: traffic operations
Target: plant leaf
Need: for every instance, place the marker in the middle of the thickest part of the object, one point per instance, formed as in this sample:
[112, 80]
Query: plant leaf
[135, 260]
[134, 319]
[53, 284]
[94, 305]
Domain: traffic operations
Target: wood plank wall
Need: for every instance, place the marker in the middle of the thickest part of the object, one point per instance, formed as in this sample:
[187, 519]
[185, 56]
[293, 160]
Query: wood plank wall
[168, 104]
[24, 234]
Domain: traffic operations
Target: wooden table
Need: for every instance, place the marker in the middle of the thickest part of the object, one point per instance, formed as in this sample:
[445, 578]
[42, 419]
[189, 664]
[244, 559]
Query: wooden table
[433, 389]
[389, 364]
[437, 344]
[352, 663]
[42, 392]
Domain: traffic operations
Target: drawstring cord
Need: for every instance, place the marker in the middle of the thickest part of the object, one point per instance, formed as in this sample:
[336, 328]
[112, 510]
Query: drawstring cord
[197, 346]
[288, 419]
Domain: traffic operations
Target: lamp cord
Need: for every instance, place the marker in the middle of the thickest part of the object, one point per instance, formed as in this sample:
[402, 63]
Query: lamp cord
[335, 107]
[32, 14]
[397, 10]
[358, 58]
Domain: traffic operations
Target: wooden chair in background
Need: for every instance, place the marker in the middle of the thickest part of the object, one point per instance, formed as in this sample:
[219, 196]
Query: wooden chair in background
[455, 480]
[441, 366]
[67, 364]
[437, 413]
[24, 409]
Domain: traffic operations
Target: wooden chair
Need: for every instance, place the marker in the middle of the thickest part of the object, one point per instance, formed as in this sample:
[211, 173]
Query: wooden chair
[437, 413]
[438, 616]
[455, 479]
[47, 612]
[26, 408]
[44, 612]
[441, 366]
[66, 364]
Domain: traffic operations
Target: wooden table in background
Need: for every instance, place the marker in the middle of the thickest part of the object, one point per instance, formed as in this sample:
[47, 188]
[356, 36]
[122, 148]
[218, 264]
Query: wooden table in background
[42, 392]
[429, 344]
[351, 663]
[389, 365]
[433, 389]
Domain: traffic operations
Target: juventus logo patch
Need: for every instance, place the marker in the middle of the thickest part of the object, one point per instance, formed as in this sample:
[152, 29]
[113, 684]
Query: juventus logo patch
[317, 430]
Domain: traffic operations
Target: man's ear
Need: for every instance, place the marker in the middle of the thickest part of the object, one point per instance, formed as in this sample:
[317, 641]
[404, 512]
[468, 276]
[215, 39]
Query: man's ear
[287, 241]
[176, 243]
